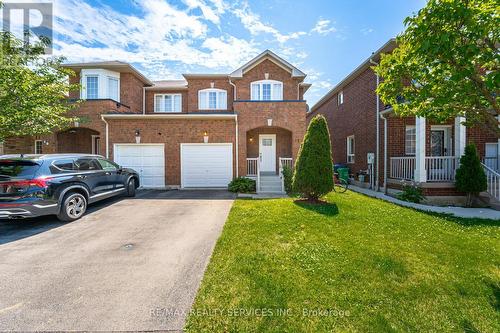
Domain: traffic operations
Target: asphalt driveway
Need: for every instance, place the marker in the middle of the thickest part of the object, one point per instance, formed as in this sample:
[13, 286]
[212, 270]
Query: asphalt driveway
[129, 264]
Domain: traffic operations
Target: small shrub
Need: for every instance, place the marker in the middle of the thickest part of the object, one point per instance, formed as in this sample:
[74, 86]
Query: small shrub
[470, 177]
[313, 174]
[411, 193]
[287, 179]
[242, 185]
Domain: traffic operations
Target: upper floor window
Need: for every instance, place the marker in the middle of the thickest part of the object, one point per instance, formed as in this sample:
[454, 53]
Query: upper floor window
[212, 99]
[92, 87]
[113, 91]
[410, 140]
[350, 149]
[267, 90]
[38, 146]
[168, 103]
[340, 98]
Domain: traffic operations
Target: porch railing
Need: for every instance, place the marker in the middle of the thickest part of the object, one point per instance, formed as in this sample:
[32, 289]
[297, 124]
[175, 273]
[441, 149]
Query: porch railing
[403, 168]
[252, 166]
[284, 162]
[441, 168]
[492, 163]
[493, 181]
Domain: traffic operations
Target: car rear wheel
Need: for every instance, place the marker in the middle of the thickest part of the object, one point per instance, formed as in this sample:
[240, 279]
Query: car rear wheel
[131, 188]
[73, 207]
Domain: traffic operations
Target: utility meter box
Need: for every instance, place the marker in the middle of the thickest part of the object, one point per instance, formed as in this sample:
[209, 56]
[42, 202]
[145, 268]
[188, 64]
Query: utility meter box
[370, 157]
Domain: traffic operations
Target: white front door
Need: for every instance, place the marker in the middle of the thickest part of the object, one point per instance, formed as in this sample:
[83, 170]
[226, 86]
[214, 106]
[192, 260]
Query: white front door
[267, 152]
[147, 159]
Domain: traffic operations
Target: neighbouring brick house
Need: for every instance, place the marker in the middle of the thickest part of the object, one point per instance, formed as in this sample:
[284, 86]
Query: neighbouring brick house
[415, 149]
[202, 131]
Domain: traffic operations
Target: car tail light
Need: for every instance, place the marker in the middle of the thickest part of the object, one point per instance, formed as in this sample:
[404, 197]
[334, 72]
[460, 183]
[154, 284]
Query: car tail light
[21, 186]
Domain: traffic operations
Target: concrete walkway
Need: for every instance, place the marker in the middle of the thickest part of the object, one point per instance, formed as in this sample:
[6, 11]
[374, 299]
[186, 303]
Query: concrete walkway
[482, 213]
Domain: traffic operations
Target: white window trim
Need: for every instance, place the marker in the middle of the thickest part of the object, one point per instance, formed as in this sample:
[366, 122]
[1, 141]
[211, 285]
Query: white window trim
[218, 102]
[41, 146]
[108, 78]
[350, 155]
[408, 127]
[261, 83]
[340, 98]
[155, 107]
[86, 84]
[103, 76]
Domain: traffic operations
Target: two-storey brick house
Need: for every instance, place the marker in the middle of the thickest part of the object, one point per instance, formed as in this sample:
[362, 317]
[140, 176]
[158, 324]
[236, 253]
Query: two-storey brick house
[202, 131]
[415, 149]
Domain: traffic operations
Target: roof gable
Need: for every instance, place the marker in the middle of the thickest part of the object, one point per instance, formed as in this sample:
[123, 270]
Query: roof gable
[267, 55]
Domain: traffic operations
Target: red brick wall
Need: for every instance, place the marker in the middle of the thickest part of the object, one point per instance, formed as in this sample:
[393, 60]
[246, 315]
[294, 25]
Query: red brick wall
[171, 132]
[150, 95]
[290, 85]
[479, 136]
[290, 116]
[198, 84]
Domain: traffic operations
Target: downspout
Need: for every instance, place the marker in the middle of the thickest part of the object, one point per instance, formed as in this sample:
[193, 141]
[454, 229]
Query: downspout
[377, 153]
[234, 90]
[107, 135]
[143, 100]
[237, 146]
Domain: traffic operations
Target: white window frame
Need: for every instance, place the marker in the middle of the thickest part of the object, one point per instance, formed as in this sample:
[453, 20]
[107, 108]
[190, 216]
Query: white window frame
[220, 104]
[157, 109]
[41, 147]
[260, 84]
[350, 154]
[103, 83]
[408, 147]
[340, 98]
[109, 79]
[87, 88]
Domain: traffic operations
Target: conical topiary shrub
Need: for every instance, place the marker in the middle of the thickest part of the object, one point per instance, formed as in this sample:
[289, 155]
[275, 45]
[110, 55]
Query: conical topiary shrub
[470, 177]
[313, 175]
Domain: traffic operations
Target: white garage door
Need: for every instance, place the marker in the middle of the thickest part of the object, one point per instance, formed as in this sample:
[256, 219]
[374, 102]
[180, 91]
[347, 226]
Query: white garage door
[147, 159]
[206, 165]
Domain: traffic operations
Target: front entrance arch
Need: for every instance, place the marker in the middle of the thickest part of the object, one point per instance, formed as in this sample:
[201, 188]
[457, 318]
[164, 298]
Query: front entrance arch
[268, 144]
[79, 140]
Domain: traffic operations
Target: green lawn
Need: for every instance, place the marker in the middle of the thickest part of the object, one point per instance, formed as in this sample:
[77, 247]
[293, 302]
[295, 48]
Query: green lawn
[357, 265]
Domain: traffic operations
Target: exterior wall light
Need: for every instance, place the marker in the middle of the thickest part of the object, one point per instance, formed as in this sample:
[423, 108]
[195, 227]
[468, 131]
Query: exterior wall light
[137, 136]
[205, 137]
[251, 139]
[269, 122]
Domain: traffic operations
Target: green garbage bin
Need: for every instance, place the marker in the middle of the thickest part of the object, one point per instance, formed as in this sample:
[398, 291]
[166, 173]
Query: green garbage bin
[343, 173]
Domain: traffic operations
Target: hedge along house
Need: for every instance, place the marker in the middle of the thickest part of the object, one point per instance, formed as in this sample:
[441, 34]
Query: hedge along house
[404, 149]
[200, 132]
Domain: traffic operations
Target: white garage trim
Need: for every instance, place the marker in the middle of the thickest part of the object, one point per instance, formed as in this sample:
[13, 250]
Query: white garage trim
[151, 168]
[219, 175]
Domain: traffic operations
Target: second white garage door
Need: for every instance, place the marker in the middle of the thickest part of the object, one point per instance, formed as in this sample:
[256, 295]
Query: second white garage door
[147, 159]
[206, 165]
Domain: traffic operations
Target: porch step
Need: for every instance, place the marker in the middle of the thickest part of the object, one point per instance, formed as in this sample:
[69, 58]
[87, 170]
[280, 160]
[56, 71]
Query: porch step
[488, 200]
[270, 189]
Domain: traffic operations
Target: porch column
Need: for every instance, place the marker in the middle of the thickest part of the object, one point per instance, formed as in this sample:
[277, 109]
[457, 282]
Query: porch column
[420, 172]
[460, 139]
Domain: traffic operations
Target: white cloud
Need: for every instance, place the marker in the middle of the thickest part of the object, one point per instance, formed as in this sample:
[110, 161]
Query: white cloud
[209, 13]
[323, 27]
[366, 31]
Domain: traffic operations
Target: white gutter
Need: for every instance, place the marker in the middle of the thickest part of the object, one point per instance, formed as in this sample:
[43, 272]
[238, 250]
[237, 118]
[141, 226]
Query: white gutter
[234, 93]
[107, 135]
[377, 144]
[237, 146]
[385, 149]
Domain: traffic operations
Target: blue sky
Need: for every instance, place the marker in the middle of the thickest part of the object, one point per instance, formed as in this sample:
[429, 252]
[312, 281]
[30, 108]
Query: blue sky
[165, 38]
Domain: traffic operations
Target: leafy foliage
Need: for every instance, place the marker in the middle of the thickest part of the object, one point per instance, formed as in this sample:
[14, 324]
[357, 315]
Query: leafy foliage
[411, 193]
[470, 177]
[313, 175]
[33, 89]
[446, 63]
[242, 185]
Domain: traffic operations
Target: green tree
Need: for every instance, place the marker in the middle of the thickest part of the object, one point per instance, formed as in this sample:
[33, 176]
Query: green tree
[446, 63]
[470, 177]
[313, 174]
[33, 89]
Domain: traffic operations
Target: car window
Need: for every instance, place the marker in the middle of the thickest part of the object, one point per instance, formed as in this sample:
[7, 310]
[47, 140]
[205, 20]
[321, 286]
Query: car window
[12, 168]
[62, 166]
[107, 165]
[87, 164]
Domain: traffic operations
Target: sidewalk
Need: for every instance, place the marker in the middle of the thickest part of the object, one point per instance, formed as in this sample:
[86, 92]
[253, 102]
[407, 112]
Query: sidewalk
[482, 213]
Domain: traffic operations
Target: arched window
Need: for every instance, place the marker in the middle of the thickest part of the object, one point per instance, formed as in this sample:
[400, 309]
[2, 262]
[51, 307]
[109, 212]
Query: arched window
[212, 99]
[267, 90]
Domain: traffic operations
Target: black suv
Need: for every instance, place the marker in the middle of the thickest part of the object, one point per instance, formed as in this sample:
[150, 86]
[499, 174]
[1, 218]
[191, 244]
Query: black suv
[61, 184]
